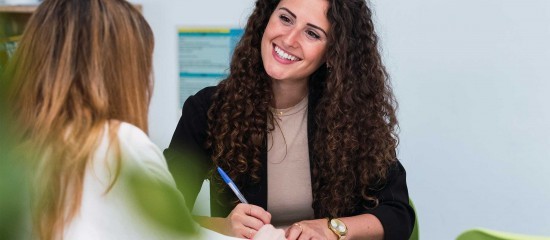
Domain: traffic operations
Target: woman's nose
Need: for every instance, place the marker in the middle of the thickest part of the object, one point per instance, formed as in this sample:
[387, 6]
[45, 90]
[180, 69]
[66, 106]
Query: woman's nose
[291, 38]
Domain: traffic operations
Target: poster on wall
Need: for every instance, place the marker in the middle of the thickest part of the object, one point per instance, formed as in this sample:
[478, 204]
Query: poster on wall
[203, 57]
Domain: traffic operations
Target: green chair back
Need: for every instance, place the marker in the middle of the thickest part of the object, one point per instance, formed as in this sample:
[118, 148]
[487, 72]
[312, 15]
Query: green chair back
[414, 235]
[486, 234]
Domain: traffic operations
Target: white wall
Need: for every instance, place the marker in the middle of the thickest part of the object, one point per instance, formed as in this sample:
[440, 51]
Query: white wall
[471, 80]
[471, 77]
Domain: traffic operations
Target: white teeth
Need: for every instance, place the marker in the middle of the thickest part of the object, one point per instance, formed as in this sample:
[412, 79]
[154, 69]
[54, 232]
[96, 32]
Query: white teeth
[285, 55]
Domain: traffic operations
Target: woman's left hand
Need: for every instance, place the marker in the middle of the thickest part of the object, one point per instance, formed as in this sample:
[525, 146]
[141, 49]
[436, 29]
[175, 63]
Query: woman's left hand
[310, 229]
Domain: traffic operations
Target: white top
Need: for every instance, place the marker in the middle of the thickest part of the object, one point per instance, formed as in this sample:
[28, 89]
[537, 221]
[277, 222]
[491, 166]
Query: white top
[113, 215]
[289, 194]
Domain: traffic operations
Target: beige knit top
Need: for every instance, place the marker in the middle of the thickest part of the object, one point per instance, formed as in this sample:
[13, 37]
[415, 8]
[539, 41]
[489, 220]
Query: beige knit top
[289, 195]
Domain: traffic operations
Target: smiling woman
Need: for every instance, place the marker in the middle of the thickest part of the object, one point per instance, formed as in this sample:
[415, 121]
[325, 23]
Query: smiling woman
[304, 125]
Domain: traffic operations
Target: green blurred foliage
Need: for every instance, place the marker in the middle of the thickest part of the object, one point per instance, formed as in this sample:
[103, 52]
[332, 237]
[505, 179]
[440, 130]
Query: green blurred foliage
[13, 204]
[161, 203]
[13, 186]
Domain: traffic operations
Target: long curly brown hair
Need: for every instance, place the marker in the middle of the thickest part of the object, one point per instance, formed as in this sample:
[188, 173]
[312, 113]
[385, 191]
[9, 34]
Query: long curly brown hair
[355, 141]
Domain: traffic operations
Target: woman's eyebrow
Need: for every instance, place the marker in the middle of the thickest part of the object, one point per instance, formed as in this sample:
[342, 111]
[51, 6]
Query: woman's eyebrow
[289, 12]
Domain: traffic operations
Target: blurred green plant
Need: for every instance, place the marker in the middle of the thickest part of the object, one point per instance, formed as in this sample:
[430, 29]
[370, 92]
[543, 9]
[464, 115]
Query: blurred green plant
[13, 186]
[161, 203]
[13, 204]
[488, 234]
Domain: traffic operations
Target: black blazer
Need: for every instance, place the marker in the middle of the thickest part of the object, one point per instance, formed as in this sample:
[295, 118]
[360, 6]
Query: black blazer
[190, 164]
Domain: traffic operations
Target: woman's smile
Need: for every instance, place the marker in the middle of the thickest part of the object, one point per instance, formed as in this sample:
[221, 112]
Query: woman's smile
[283, 56]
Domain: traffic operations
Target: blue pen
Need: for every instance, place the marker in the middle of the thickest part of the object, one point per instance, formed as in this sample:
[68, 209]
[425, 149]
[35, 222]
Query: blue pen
[232, 185]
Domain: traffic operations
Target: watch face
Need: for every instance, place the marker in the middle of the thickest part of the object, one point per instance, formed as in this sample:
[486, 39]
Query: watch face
[339, 226]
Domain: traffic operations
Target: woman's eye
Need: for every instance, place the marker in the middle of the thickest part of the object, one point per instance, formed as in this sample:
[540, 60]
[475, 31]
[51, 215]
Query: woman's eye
[285, 19]
[313, 34]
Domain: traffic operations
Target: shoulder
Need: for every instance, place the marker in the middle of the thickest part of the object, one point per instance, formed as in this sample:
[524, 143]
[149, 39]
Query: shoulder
[140, 153]
[206, 93]
[134, 141]
[197, 105]
[202, 97]
[123, 142]
[131, 133]
[396, 169]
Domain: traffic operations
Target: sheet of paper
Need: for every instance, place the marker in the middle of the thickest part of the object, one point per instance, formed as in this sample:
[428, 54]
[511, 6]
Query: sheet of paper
[208, 234]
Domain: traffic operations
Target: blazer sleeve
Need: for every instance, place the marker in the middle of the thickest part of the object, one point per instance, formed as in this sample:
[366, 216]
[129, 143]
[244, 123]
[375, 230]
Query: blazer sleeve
[187, 158]
[394, 212]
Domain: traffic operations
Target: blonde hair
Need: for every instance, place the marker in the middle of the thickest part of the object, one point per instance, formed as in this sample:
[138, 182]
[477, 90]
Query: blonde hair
[79, 65]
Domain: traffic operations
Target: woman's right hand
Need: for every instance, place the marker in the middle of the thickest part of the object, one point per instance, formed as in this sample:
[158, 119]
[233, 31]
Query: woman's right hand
[246, 220]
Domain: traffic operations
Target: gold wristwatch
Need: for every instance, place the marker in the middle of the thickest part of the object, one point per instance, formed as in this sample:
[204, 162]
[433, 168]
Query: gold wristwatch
[338, 227]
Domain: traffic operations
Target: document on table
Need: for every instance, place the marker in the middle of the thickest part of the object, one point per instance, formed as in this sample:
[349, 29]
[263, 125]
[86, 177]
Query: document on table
[208, 234]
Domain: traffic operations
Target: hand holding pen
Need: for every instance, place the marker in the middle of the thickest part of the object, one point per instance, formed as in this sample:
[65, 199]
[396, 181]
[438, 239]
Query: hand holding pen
[246, 219]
